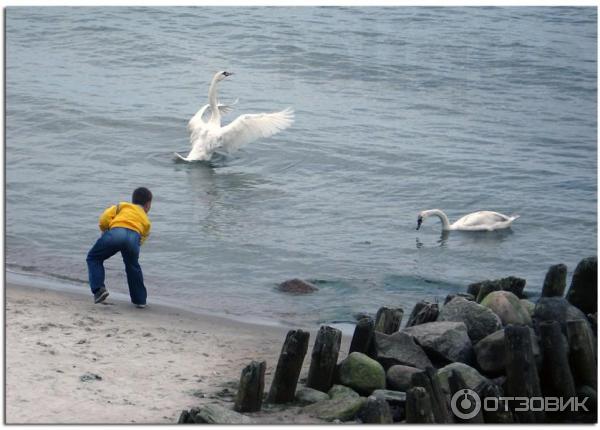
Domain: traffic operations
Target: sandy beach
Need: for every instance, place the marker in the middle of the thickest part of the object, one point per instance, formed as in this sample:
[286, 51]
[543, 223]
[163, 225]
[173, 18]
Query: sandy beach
[70, 361]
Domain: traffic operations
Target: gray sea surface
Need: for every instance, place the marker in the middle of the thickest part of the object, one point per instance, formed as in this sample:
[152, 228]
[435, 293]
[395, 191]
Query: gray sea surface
[398, 110]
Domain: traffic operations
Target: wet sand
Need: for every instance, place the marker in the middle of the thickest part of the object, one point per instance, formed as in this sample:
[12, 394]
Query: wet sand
[71, 361]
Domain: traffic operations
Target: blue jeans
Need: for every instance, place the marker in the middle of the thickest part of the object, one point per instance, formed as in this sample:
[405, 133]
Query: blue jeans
[128, 243]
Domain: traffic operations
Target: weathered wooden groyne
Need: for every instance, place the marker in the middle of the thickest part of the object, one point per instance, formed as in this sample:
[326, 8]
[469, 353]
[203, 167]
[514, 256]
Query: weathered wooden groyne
[488, 355]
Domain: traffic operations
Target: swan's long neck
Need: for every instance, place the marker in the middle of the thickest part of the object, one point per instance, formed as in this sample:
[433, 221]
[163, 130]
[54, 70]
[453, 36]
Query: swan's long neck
[215, 116]
[442, 216]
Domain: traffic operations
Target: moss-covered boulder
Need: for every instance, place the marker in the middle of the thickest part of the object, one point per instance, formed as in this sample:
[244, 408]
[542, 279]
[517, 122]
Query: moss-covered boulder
[508, 307]
[528, 305]
[339, 391]
[361, 373]
[343, 408]
[216, 414]
[307, 395]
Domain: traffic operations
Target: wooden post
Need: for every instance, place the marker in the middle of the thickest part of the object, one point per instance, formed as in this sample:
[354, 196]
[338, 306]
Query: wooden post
[428, 380]
[521, 372]
[252, 385]
[283, 387]
[555, 281]
[457, 384]
[388, 320]
[582, 356]
[418, 407]
[486, 288]
[556, 377]
[423, 312]
[185, 418]
[499, 415]
[363, 336]
[376, 411]
[324, 358]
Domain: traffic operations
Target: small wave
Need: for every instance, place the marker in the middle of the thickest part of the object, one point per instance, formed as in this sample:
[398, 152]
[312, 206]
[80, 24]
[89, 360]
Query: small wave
[34, 270]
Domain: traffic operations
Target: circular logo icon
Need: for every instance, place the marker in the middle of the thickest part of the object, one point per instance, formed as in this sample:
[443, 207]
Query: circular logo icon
[465, 404]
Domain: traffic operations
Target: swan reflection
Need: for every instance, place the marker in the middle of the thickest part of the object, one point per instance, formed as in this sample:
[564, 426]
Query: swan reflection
[441, 242]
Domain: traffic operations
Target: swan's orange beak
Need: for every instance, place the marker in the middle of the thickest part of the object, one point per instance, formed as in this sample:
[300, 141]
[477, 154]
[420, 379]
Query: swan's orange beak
[419, 222]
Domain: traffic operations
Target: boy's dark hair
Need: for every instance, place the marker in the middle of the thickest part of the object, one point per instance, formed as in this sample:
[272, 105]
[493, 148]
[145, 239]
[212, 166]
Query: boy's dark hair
[141, 196]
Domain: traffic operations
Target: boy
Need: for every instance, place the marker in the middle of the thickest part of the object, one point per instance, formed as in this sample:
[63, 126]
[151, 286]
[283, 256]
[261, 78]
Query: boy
[124, 228]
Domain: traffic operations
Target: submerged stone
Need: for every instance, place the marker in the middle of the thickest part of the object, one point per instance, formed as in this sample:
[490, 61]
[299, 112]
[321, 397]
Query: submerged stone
[297, 286]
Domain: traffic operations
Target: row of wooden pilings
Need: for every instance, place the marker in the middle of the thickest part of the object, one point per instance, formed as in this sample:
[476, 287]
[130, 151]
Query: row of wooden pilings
[568, 362]
[323, 364]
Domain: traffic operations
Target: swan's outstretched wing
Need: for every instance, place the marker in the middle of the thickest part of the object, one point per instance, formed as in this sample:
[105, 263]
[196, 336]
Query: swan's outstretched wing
[198, 118]
[197, 121]
[247, 128]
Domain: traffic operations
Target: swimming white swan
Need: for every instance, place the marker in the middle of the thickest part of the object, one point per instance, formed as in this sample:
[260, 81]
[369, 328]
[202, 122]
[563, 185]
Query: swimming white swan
[207, 135]
[476, 221]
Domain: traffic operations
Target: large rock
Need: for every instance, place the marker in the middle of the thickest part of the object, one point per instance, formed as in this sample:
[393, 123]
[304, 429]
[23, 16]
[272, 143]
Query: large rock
[445, 340]
[583, 292]
[528, 305]
[480, 321]
[341, 408]
[339, 391]
[470, 375]
[361, 373]
[511, 283]
[307, 395]
[399, 348]
[216, 414]
[399, 377]
[556, 309]
[297, 286]
[490, 353]
[507, 306]
[465, 296]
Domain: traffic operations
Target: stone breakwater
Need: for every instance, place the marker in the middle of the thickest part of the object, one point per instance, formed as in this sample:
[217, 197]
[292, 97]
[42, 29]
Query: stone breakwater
[489, 343]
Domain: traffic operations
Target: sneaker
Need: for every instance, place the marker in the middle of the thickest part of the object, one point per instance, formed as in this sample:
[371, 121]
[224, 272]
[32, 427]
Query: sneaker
[100, 295]
[140, 306]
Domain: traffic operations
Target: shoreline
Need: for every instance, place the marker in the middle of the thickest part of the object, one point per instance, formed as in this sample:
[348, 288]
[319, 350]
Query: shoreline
[71, 361]
[50, 283]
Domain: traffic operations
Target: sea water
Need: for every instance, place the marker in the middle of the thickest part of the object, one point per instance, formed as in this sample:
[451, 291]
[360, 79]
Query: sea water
[398, 110]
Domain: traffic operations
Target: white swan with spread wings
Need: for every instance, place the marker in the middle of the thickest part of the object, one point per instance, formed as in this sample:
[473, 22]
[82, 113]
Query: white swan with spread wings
[207, 136]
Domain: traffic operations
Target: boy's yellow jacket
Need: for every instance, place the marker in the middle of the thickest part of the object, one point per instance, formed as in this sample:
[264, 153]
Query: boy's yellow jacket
[129, 216]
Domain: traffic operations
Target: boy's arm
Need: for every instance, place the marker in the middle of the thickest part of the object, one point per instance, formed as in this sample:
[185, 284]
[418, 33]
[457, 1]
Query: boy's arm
[145, 234]
[106, 217]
